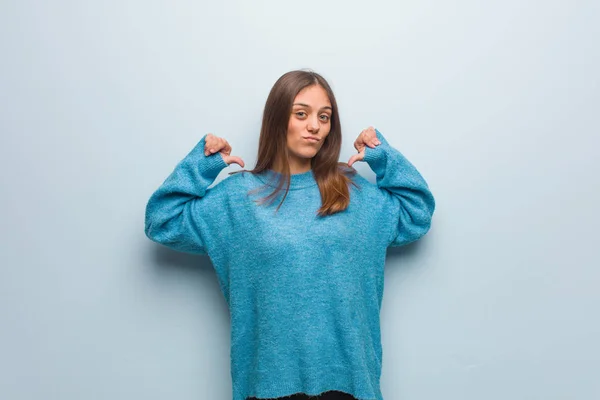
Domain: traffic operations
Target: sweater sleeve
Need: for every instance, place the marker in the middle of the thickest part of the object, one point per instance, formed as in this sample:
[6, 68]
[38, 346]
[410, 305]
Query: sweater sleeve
[174, 213]
[409, 204]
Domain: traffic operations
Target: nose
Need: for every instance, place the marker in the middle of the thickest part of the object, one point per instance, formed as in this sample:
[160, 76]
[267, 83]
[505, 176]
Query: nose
[313, 125]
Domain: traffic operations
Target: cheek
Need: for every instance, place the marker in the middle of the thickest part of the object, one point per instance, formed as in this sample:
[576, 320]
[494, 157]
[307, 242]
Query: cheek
[293, 128]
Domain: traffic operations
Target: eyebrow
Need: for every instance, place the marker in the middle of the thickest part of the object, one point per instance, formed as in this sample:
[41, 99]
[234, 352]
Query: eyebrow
[307, 106]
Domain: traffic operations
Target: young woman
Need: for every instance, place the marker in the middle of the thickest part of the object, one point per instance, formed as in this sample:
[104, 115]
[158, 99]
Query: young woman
[298, 243]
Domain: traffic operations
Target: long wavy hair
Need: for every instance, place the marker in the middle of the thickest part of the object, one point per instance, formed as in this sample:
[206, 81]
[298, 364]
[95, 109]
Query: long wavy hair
[333, 177]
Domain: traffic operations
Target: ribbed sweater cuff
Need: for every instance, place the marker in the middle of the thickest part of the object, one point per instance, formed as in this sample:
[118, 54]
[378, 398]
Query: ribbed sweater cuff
[210, 166]
[376, 157]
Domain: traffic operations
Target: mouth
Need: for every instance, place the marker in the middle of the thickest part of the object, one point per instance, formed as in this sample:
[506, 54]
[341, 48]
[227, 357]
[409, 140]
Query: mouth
[311, 139]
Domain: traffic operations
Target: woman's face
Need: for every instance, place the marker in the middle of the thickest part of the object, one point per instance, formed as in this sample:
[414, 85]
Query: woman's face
[308, 126]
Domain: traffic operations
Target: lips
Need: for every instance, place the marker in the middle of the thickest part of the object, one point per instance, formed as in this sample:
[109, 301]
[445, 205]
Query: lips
[311, 139]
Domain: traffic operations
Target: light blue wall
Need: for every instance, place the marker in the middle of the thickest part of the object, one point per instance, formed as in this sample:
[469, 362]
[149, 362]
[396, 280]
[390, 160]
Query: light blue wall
[497, 103]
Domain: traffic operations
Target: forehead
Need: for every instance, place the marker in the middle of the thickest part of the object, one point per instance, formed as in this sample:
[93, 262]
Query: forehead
[314, 96]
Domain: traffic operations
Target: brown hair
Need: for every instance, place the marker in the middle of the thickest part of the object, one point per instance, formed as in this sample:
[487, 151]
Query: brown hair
[332, 176]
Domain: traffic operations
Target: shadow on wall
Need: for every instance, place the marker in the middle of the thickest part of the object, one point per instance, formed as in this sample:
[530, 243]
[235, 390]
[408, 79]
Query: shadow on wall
[190, 270]
[165, 257]
[401, 254]
[188, 286]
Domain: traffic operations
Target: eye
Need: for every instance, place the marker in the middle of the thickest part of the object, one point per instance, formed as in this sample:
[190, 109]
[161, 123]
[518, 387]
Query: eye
[325, 117]
[301, 114]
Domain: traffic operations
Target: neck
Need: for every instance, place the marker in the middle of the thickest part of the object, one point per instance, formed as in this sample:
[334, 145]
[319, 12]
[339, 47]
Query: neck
[296, 166]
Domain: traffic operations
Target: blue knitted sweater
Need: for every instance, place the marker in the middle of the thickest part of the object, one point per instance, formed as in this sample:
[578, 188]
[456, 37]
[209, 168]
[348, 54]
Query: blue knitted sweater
[304, 292]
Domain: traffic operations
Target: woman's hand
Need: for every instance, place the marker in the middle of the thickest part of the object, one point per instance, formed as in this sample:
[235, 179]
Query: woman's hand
[368, 137]
[214, 144]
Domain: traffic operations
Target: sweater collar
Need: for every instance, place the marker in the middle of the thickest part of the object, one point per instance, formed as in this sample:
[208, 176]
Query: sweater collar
[297, 181]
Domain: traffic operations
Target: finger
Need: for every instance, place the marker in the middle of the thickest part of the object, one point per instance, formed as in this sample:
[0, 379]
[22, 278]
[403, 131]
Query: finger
[210, 143]
[235, 159]
[210, 149]
[226, 148]
[214, 146]
[370, 142]
[360, 141]
[372, 136]
[351, 160]
[356, 157]
[207, 143]
[365, 136]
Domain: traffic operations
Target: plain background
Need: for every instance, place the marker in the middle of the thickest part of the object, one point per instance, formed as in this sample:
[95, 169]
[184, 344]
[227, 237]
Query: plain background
[497, 104]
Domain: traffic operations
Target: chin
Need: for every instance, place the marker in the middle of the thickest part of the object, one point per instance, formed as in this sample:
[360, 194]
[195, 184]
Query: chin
[309, 155]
